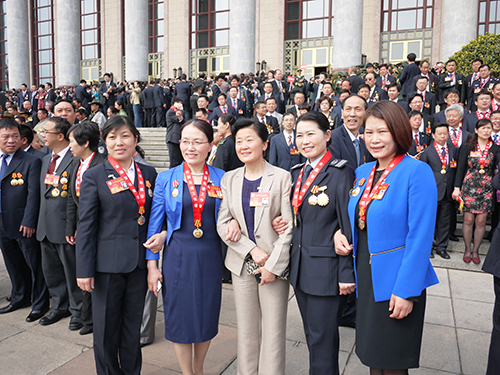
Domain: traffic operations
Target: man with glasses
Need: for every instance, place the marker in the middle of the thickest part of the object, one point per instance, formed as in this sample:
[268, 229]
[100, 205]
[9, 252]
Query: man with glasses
[376, 93]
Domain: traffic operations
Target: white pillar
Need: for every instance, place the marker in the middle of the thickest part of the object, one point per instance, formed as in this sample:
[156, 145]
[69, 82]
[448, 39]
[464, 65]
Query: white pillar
[67, 39]
[242, 36]
[459, 25]
[18, 42]
[136, 40]
[347, 33]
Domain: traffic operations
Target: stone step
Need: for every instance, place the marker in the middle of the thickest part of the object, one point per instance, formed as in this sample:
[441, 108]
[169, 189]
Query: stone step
[157, 153]
[154, 147]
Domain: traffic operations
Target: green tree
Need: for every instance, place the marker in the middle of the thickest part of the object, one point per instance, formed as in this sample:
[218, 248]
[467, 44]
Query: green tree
[485, 47]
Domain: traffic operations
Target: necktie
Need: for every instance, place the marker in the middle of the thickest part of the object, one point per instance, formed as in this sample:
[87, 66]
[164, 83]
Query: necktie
[52, 166]
[495, 138]
[3, 168]
[416, 139]
[307, 172]
[358, 153]
[234, 103]
[443, 152]
[290, 140]
[281, 90]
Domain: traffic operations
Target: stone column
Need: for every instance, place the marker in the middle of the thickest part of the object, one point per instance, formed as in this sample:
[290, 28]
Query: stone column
[459, 25]
[347, 33]
[67, 39]
[136, 40]
[18, 42]
[242, 36]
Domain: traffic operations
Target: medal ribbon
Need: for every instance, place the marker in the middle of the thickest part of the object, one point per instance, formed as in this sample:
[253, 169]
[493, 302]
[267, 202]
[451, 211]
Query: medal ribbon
[223, 109]
[79, 175]
[198, 201]
[299, 193]
[483, 154]
[454, 139]
[368, 194]
[443, 161]
[481, 115]
[140, 196]
[494, 104]
[485, 82]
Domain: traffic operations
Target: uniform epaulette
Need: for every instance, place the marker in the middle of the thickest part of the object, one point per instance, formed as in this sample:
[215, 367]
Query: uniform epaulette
[296, 166]
[338, 163]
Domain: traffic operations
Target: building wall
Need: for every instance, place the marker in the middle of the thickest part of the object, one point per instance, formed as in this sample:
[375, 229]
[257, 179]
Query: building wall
[371, 30]
[271, 32]
[177, 34]
[112, 46]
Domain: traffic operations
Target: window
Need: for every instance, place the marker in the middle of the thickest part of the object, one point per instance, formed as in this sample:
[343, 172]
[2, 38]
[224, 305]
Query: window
[90, 26]
[43, 41]
[4, 79]
[156, 26]
[398, 15]
[307, 19]
[489, 17]
[209, 23]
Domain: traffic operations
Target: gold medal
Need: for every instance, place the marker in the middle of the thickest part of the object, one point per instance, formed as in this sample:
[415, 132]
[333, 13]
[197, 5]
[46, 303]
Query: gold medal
[323, 199]
[20, 181]
[77, 193]
[64, 180]
[481, 171]
[355, 192]
[14, 182]
[64, 193]
[141, 220]
[175, 192]
[55, 192]
[295, 220]
[313, 200]
[198, 233]
[361, 224]
[443, 171]
[150, 192]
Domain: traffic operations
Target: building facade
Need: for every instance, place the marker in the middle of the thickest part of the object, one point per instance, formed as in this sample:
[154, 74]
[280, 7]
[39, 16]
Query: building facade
[63, 41]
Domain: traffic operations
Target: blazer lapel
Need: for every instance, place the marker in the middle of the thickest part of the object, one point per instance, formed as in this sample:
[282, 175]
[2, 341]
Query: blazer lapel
[265, 187]
[237, 188]
[14, 163]
[348, 144]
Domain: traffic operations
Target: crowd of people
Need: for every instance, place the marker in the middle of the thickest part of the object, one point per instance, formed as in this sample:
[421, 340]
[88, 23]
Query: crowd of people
[273, 182]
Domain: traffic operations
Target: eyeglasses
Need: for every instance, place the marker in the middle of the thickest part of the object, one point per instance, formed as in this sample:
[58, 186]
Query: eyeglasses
[187, 143]
[43, 131]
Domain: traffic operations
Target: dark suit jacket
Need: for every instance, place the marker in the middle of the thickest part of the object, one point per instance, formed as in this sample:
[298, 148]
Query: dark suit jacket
[112, 95]
[203, 84]
[218, 112]
[109, 237]
[315, 268]
[445, 84]
[276, 91]
[433, 82]
[343, 148]
[73, 199]
[51, 96]
[23, 98]
[158, 96]
[439, 117]
[390, 79]
[85, 96]
[377, 95]
[467, 92]
[404, 104]
[476, 87]
[429, 106]
[466, 136]
[149, 97]
[406, 80]
[20, 203]
[241, 108]
[215, 93]
[355, 83]
[444, 181]
[423, 140]
[469, 122]
[225, 157]
[35, 152]
[52, 218]
[293, 110]
[492, 262]
[279, 153]
[193, 104]
[173, 127]
[279, 103]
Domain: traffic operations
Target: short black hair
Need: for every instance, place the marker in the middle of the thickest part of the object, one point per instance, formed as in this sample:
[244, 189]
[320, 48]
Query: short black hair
[176, 99]
[439, 125]
[196, 88]
[86, 131]
[364, 86]
[48, 84]
[319, 118]
[83, 81]
[202, 126]
[107, 74]
[117, 122]
[113, 110]
[450, 61]
[411, 57]
[413, 96]
[61, 125]
[477, 60]
[305, 106]
[203, 110]
[483, 65]
[259, 127]
[415, 113]
[43, 110]
[355, 95]
[221, 94]
[396, 85]
[272, 98]
[26, 132]
[78, 100]
[204, 96]
[259, 104]
[55, 104]
[423, 77]
[482, 92]
[9, 123]
[451, 91]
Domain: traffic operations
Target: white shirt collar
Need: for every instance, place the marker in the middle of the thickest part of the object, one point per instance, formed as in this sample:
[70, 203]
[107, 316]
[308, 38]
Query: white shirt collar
[286, 135]
[352, 136]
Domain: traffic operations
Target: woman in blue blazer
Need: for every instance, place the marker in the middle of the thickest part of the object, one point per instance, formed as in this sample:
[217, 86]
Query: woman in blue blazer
[192, 258]
[392, 233]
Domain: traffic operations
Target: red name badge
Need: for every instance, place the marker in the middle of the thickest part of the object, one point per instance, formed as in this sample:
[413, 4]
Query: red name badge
[51, 179]
[294, 151]
[117, 185]
[240, 111]
[380, 191]
[427, 105]
[420, 148]
[214, 191]
[453, 163]
[259, 199]
[475, 154]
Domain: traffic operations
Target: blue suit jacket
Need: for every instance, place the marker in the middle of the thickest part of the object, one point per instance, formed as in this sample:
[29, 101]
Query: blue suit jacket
[279, 153]
[400, 259]
[218, 112]
[164, 205]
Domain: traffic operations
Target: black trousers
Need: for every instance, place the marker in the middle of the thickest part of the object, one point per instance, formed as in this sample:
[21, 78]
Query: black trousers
[494, 354]
[174, 154]
[86, 314]
[118, 303]
[150, 117]
[442, 229]
[160, 117]
[453, 217]
[321, 316]
[23, 260]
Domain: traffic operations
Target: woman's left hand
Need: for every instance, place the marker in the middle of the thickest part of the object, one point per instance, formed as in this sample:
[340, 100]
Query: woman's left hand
[346, 288]
[156, 242]
[266, 276]
[400, 307]
[233, 232]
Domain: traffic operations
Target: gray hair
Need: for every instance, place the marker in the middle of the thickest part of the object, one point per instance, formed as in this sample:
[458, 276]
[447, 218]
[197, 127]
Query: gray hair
[455, 107]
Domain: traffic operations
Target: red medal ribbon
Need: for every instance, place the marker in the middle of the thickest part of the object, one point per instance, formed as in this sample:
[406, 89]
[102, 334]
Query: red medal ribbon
[79, 175]
[453, 139]
[485, 82]
[443, 161]
[299, 193]
[173, 108]
[368, 194]
[198, 201]
[483, 154]
[140, 196]
[223, 109]
[481, 115]
[494, 105]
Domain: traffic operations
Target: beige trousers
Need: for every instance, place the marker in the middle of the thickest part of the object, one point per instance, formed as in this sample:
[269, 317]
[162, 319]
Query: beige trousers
[261, 318]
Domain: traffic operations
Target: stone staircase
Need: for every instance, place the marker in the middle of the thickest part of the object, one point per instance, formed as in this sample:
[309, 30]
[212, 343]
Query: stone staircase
[153, 143]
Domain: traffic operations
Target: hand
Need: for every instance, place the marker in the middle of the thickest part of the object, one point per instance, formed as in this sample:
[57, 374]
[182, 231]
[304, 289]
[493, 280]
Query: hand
[456, 193]
[27, 232]
[345, 289]
[233, 232]
[266, 276]
[71, 240]
[342, 246]
[279, 225]
[154, 275]
[400, 307]
[156, 242]
[259, 256]
[86, 284]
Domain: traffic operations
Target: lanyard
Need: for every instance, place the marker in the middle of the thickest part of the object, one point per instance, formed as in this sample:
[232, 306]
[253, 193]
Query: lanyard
[454, 139]
[79, 175]
[140, 196]
[198, 201]
[443, 160]
[223, 109]
[483, 155]
[481, 115]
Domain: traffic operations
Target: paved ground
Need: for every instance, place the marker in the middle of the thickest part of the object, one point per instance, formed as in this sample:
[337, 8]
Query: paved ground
[456, 335]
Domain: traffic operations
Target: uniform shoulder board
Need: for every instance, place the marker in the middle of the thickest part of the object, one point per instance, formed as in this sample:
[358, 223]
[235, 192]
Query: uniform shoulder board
[296, 166]
[338, 163]
[101, 149]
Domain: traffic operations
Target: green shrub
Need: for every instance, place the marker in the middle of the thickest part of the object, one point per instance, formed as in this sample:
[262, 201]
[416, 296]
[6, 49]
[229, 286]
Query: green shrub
[484, 47]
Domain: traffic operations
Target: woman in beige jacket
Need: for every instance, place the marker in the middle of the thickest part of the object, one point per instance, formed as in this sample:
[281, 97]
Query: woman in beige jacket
[254, 195]
[135, 93]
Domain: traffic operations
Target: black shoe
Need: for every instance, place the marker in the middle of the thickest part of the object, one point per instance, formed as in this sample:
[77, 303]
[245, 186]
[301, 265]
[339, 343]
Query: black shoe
[443, 254]
[453, 238]
[227, 281]
[36, 314]
[432, 254]
[75, 324]
[10, 308]
[86, 330]
[9, 298]
[54, 317]
[348, 324]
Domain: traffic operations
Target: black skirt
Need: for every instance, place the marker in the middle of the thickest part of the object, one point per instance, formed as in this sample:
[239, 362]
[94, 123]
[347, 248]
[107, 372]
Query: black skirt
[383, 342]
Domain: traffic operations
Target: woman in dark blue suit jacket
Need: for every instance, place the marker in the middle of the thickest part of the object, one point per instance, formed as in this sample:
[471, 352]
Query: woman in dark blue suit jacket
[392, 269]
[110, 256]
